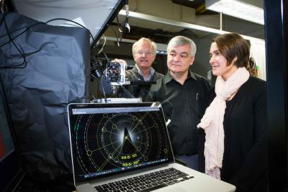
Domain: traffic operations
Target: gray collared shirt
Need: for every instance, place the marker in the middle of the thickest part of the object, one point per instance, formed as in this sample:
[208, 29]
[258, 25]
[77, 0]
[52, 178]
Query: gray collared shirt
[148, 78]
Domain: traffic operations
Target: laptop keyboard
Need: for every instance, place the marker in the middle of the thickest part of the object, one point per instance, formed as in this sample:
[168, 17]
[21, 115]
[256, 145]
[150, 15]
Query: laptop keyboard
[146, 182]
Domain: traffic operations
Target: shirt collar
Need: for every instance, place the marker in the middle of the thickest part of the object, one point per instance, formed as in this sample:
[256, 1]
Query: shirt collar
[152, 71]
[168, 77]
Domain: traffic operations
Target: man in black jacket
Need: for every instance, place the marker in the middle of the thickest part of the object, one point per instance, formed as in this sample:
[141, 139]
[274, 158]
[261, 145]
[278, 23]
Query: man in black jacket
[184, 96]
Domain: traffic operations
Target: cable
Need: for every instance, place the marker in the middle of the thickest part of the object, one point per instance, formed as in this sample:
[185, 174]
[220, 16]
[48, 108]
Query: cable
[72, 22]
[102, 47]
[26, 29]
[19, 48]
[118, 37]
[21, 52]
[126, 22]
[37, 23]
[24, 55]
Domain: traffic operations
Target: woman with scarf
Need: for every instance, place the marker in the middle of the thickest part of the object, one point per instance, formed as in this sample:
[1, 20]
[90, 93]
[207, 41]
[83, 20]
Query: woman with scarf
[234, 145]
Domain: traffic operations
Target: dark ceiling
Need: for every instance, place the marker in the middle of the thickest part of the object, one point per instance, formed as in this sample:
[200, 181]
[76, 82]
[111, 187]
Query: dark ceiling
[193, 4]
[198, 5]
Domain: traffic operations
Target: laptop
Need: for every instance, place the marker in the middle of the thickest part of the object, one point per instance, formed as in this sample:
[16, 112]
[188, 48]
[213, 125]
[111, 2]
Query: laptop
[125, 144]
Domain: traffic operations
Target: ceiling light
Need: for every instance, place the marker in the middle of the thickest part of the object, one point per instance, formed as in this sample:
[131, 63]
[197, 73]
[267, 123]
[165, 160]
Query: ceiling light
[236, 8]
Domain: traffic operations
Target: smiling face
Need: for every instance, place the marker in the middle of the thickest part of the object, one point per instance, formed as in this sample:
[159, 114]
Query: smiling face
[144, 55]
[219, 64]
[179, 59]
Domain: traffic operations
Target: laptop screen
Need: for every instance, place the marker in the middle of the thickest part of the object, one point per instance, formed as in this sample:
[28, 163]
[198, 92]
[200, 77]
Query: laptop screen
[111, 138]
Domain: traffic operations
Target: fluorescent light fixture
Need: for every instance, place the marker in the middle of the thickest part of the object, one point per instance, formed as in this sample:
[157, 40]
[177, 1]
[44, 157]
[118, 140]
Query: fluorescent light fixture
[236, 8]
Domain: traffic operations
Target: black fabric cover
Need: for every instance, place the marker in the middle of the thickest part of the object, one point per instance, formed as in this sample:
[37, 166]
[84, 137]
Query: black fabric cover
[56, 74]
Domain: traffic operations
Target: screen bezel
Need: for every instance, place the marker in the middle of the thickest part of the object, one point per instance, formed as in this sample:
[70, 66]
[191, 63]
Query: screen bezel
[72, 106]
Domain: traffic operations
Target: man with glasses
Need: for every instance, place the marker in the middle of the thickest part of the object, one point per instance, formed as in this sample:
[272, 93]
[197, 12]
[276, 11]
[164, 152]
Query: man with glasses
[142, 75]
[184, 96]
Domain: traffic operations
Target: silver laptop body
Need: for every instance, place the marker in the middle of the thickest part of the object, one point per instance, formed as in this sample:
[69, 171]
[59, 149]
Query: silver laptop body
[111, 142]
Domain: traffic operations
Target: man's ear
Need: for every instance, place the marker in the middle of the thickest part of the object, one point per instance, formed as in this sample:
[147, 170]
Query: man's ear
[192, 60]
[234, 60]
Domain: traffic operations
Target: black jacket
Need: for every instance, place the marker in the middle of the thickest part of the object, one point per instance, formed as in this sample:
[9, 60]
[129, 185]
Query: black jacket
[184, 105]
[245, 152]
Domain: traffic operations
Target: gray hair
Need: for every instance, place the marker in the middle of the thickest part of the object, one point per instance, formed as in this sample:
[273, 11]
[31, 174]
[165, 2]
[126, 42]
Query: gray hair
[181, 40]
[141, 40]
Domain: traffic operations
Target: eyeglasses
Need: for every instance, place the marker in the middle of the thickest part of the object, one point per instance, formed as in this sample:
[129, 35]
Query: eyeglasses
[145, 53]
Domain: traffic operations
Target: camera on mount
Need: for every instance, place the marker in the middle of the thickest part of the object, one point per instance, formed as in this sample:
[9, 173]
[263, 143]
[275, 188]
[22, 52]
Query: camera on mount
[111, 80]
[115, 72]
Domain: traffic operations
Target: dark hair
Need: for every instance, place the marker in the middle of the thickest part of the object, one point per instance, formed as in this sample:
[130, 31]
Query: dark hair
[252, 68]
[232, 45]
